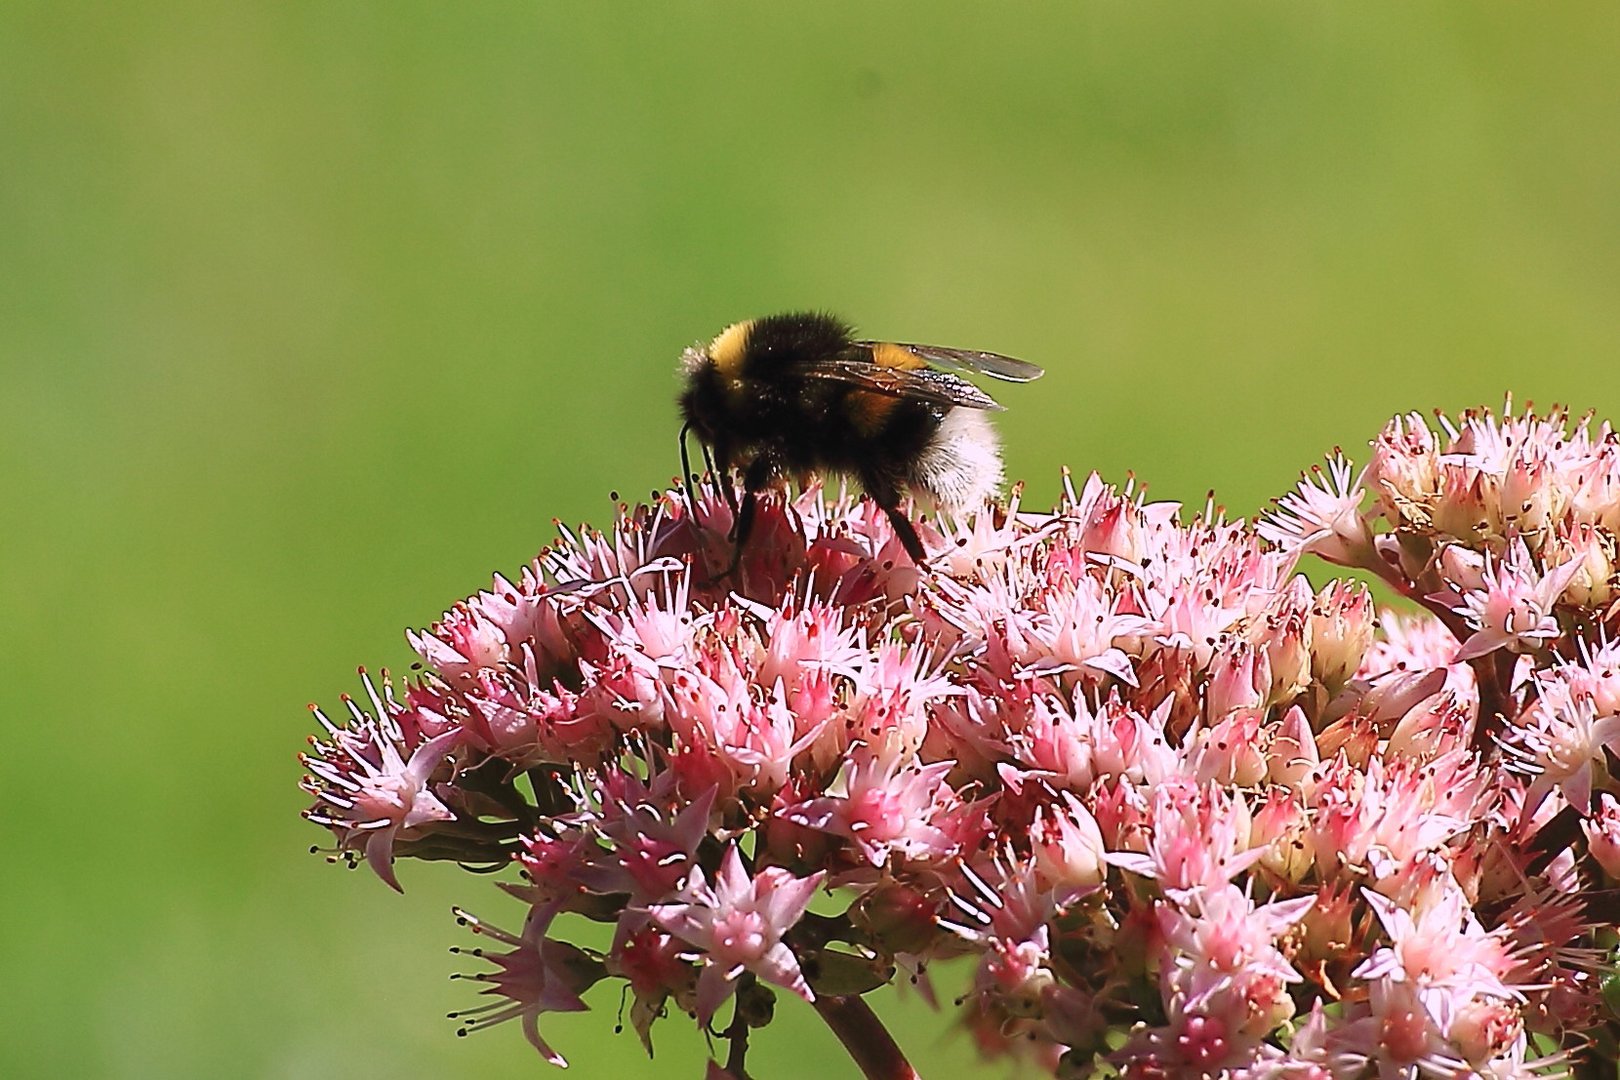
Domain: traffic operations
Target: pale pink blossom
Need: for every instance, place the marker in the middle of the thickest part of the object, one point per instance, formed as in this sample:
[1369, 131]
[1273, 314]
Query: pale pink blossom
[889, 806]
[372, 785]
[1005, 910]
[1416, 643]
[539, 975]
[1199, 839]
[1563, 739]
[1512, 606]
[650, 961]
[1393, 812]
[650, 841]
[737, 924]
[1223, 943]
[1323, 516]
[1441, 983]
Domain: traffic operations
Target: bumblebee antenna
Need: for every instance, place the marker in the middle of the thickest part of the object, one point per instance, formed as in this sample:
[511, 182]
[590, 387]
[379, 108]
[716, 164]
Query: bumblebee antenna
[686, 469]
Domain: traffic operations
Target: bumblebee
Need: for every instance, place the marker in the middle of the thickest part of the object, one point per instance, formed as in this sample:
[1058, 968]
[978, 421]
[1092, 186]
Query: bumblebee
[793, 394]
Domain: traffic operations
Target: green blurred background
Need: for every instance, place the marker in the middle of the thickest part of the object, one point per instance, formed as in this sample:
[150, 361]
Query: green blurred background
[314, 314]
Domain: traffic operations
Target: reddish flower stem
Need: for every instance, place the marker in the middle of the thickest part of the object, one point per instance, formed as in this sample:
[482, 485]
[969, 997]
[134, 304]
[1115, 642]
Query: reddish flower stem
[864, 1036]
[737, 1036]
[1494, 673]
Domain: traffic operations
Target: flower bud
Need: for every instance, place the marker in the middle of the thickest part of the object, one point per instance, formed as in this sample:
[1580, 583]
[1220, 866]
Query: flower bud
[1068, 845]
[1469, 506]
[1463, 568]
[1293, 750]
[1341, 631]
[1231, 752]
[899, 918]
[1532, 496]
[1113, 528]
[1287, 642]
[1594, 582]
[1280, 823]
[1432, 726]
[1404, 471]
[1603, 835]
[1326, 931]
[1240, 678]
[1485, 1028]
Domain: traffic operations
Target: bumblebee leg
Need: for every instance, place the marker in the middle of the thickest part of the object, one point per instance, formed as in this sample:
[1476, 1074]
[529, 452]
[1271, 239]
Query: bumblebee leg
[886, 493]
[686, 469]
[720, 476]
[908, 536]
[754, 480]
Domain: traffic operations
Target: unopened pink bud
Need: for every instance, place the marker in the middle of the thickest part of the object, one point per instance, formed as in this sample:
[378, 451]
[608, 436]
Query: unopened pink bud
[1603, 835]
[1341, 630]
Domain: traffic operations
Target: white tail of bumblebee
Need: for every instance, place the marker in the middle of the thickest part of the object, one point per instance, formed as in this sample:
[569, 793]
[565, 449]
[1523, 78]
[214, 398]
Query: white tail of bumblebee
[960, 468]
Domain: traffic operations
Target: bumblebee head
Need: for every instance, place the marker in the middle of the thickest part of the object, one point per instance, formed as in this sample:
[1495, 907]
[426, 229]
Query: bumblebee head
[714, 376]
[702, 403]
[693, 361]
[702, 398]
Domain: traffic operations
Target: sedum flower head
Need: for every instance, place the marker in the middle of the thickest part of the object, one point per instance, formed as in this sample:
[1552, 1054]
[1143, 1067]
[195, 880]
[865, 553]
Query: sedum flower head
[1188, 813]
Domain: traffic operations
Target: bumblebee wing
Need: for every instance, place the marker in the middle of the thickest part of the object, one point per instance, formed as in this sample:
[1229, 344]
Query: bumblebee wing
[987, 363]
[918, 384]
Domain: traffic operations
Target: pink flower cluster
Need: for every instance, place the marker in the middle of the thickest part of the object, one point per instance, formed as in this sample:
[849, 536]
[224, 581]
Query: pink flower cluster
[1189, 814]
